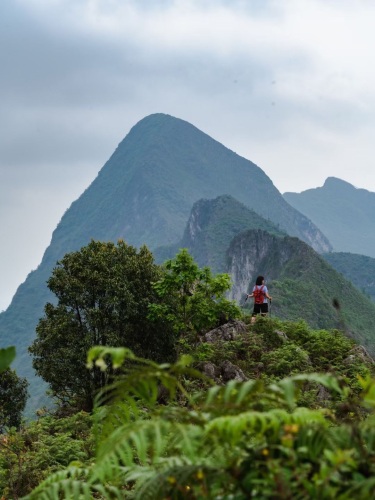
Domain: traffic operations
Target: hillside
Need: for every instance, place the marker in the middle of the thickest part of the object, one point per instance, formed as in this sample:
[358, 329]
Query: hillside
[345, 214]
[144, 194]
[228, 237]
[359, 269]
[275, 389]
[303, 285]
[211, 226]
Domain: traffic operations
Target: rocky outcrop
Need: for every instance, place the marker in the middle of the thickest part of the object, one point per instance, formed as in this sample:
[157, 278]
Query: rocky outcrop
[229, 371]
[359, 353]
[229, 331]
[224, 372]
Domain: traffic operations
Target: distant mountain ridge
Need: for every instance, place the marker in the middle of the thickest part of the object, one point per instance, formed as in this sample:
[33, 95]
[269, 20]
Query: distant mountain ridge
[161, 168]
[345, 214]
[228, 237]
[144, 194]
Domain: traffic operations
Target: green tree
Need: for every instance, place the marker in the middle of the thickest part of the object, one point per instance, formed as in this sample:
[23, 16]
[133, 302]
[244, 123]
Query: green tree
[103, 292]
[193, 300]
[41, 447]
[13, 396]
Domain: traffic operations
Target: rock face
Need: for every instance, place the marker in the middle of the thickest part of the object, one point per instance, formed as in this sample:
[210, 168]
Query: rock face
[229, 331]
[359, 352]
[214, 223]
[229, 371]
[223, 372]
[226, 370]
[256, 252]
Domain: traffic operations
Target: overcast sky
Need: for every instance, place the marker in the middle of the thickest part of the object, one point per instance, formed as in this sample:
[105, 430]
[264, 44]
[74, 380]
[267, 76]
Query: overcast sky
[288, 84]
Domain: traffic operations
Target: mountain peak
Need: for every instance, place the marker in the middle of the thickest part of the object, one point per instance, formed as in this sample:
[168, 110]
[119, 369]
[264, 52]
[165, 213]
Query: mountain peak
[336, 183]
[343, 212]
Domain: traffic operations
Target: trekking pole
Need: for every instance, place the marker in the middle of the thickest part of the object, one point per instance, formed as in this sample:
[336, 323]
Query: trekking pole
[245, 300]
[270, 306]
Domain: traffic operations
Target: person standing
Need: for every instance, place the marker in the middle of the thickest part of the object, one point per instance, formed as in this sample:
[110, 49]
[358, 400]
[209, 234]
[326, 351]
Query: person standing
[261, 298]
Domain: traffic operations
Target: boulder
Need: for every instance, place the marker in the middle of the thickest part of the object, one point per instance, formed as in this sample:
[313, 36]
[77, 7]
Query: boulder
[229, 331]
[229, 371]
[223, 373]
[282, 335]
[211, 371]
[359, 352]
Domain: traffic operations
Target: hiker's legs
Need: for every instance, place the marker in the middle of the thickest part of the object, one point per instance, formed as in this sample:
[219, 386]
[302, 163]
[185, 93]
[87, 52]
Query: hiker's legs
[264, 309]
[256, 311]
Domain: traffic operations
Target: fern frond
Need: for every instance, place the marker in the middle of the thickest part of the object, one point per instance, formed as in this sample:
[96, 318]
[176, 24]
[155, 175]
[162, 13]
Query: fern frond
[145, 442]
[70, 482]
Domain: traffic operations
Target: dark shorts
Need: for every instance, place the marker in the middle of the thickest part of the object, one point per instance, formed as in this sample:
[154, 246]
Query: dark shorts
[260, 308]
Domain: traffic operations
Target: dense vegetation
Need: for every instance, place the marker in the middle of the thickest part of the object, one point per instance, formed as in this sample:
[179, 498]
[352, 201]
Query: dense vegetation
[287, 432]
[299, 423]
[13, 396]
[359, 269]
[103, 292]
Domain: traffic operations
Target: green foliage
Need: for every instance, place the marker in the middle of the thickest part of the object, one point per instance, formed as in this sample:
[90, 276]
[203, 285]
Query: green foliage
[359, 269]
[192, 299]
[242, 440]
[7, 355]
[273, 349]
[285, 360]
[324, 300]
[103, 293]
[13, 391]
[13, 396]
[42, 447]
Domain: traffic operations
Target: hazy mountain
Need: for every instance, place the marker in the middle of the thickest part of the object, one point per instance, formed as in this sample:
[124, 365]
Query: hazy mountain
[345, 214]
[359, 269]
[211, 227]
[144, 194]
[302, 284]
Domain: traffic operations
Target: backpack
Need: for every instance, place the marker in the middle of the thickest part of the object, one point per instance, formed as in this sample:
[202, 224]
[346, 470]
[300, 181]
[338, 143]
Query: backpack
[258, 294]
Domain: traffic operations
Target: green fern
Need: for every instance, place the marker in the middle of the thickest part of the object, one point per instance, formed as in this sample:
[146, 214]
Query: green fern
[244, 439]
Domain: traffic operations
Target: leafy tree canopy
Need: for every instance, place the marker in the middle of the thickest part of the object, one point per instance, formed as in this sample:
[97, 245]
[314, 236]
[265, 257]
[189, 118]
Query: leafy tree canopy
[103, 292]
[13, 396]
[41, 447]
[192, 299]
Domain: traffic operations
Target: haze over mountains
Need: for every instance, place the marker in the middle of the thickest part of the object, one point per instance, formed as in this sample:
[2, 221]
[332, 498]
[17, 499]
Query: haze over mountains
[151, 191]
[345, 214]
